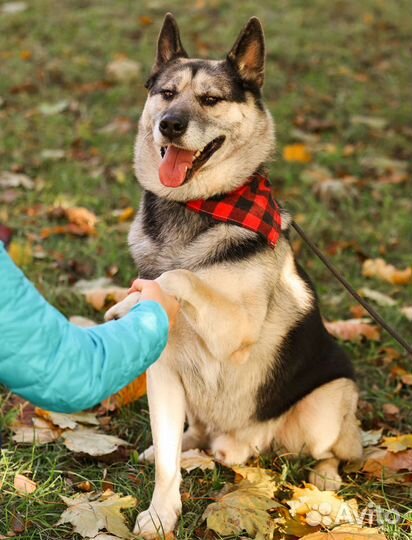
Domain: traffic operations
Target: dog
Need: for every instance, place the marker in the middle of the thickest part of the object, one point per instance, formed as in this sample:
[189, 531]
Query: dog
[249, 364]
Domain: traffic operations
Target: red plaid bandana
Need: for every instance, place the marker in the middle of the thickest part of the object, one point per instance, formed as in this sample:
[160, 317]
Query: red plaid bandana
[251, 206]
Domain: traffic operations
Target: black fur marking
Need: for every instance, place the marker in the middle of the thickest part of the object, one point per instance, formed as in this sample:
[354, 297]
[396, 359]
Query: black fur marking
[238, 250]
[307, 359]
[160, 216]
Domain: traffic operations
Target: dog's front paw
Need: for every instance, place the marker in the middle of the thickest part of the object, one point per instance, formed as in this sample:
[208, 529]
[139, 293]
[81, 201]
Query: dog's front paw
[156, 522]
[147, 456]
[176, 282]
[122, 308]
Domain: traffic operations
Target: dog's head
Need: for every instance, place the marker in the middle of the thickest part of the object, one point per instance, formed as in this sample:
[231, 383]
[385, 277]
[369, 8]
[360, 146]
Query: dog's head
[204, 128]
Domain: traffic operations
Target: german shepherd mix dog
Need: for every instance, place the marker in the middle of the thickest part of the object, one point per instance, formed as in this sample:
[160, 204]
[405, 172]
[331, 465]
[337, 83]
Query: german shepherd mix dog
[249, 364]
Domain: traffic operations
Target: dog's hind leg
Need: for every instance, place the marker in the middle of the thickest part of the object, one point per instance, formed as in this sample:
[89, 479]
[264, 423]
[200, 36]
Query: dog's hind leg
[167, 415]
[324, 425]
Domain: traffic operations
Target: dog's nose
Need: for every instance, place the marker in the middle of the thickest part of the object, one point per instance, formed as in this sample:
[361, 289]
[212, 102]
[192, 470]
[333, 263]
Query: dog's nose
[173, 126]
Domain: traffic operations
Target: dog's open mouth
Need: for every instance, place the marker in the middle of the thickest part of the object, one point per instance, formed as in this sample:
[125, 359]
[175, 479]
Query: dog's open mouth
[179, 165]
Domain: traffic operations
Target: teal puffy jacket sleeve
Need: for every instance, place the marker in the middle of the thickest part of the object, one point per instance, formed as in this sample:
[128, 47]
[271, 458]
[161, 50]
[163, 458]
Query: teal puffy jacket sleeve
[61, 367]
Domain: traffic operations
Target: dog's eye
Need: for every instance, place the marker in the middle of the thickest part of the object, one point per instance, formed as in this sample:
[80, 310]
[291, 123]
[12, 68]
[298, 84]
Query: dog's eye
[210, 100]
[168, 95]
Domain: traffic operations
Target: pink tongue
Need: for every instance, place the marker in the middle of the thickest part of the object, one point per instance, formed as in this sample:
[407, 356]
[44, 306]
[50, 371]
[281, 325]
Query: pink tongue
[172, 170]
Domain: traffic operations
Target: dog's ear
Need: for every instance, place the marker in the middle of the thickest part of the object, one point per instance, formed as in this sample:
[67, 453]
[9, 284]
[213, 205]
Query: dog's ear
[248, 53]
[169, 45]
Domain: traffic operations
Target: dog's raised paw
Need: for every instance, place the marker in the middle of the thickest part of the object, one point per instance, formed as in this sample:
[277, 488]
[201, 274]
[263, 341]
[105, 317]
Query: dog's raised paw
[155, 523]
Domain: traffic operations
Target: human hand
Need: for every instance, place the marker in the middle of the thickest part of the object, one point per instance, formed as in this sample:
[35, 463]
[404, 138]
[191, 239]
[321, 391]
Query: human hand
[150, 290]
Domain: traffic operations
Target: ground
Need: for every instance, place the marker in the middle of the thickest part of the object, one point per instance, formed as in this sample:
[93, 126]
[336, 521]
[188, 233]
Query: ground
[327, 63]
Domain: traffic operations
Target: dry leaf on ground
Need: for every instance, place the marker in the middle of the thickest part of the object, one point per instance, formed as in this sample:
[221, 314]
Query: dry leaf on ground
[407, 312]
[298, 153]
[380, 269]
[353, 330]
[41, 432]
[321, 508]
[21, 253]
[196, 459]
[129, 394]
[244, 507]
[24, 485]
[378, 297]
[347, 532]
[89, 513]
[389, 466]
[101, 293]
[371, 437]
[70, 421]
[398, 444]
[88, 441]
[13, 180]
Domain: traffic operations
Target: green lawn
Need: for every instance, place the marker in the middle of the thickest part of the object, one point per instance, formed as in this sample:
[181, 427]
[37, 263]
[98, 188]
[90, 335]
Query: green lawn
[327, 63]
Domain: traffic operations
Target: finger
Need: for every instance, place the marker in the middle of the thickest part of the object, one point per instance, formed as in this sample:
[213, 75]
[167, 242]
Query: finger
[139, 284]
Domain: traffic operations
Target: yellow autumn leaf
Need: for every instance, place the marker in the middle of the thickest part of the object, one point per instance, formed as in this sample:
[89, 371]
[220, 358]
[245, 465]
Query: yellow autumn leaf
[398, 444]
[89, 441]
[89, 513]
[321, 508]
[380, 269]
[298, 153]
[21, 253]
[347, 532]
[196, 459]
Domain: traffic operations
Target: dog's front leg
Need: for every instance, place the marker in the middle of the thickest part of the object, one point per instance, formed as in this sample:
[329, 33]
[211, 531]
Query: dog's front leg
[225, 325]
[167, 415]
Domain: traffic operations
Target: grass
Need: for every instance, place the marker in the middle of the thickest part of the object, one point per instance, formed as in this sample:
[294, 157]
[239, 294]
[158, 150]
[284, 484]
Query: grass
[327, 62]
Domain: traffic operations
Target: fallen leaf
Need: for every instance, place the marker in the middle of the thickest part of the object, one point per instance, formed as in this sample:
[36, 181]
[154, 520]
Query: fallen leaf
[6, 234]
[123, 70]
[89, 513]
[369, 121]
[347, 532]
[390, 409]
[297, 153]
[398, 444]
[21, 252]
[196, 459]
[41, 432]
[101, 293]
[407, 312]
[407, 379]
[127, 214]
[50, 109]
[89, 441]
[18, 525]
[321, 508]
[24, 485]
[378, 297]
[244, 507]
[388, 466]
[382, 164]
[70, 228]
[68, 421]
[378, 268]
[353, 330]
[52, 154]
[14, 180]
[11, 8]
[371, 437]
[82, 217]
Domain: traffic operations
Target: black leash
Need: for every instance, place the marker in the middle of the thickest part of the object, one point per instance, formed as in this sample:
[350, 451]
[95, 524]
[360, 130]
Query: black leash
[374, 314]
